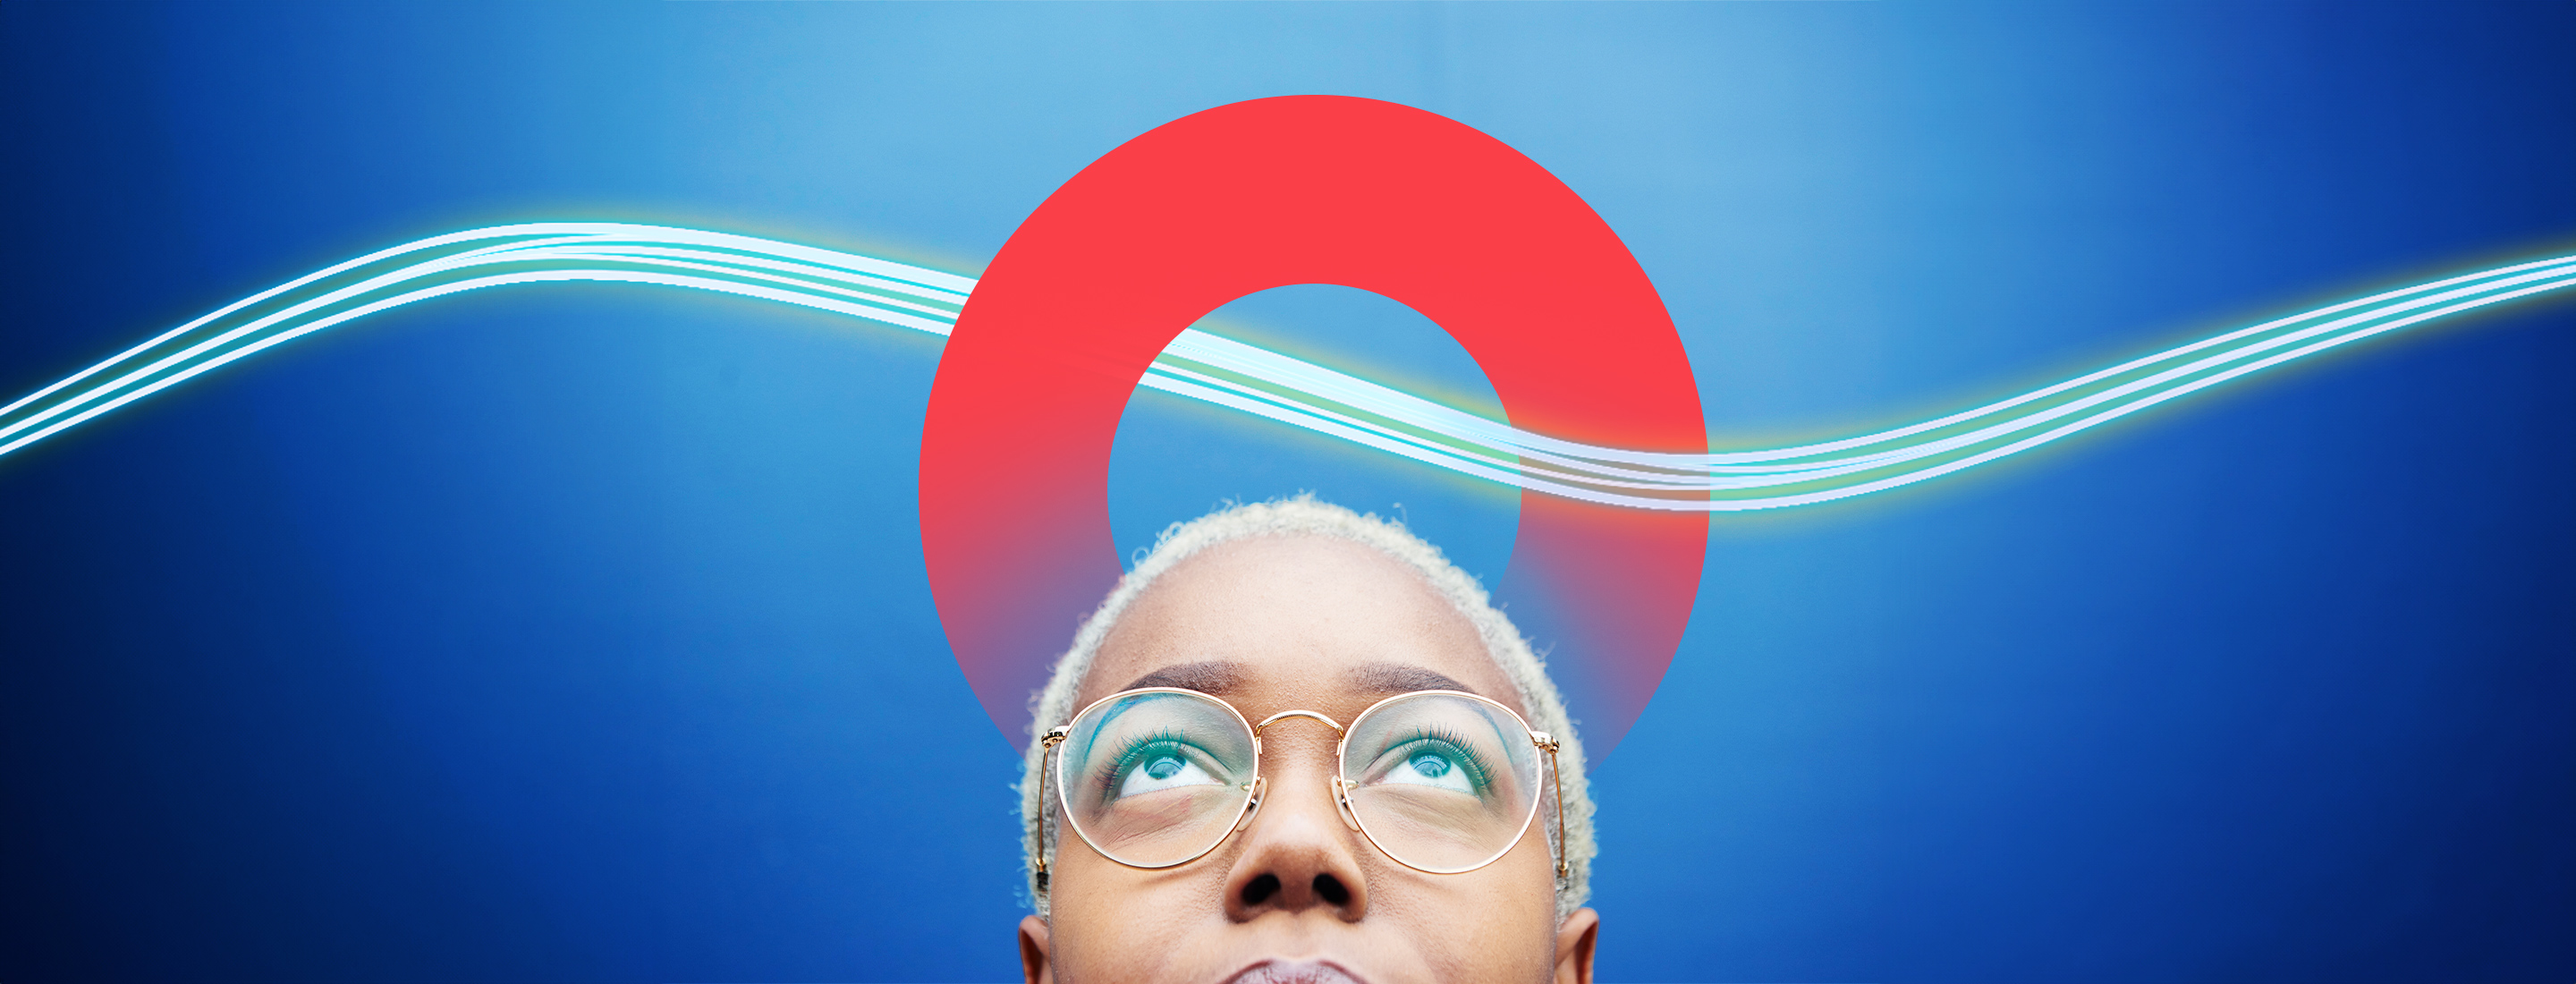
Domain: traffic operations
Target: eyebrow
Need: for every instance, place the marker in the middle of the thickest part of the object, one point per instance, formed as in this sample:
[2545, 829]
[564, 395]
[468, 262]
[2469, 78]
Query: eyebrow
[1209, 677]
[1399, 678]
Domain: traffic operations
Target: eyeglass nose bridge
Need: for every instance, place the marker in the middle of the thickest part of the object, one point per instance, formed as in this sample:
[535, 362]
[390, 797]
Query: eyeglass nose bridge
[1283, 715]
[1341, 786]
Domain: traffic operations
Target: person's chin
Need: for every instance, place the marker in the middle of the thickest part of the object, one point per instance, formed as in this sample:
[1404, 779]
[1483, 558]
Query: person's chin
[1295, 972]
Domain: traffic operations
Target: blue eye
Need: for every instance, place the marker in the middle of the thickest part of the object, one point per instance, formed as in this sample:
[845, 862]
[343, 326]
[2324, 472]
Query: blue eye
[1157, 763]
[1437, 761]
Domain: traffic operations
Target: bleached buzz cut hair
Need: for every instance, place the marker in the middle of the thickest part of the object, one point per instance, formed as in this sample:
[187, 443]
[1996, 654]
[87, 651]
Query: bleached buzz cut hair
[1304, 516]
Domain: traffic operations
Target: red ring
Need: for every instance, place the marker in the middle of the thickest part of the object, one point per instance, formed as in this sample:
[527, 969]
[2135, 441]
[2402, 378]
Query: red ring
[1304, 190]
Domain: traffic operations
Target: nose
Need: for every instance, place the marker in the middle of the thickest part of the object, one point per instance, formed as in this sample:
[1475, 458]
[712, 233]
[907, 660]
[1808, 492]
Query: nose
[1298, 856]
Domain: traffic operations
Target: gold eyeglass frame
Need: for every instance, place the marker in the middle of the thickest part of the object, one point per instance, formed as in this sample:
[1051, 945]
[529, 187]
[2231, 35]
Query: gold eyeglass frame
[1051, 776]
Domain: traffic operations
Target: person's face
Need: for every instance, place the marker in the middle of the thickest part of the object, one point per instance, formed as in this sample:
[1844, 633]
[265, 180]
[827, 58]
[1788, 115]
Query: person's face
[1312, 623]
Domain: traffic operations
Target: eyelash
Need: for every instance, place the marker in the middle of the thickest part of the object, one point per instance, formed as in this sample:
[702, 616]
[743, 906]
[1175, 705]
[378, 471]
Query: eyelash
[1479, 772]
[1128, 754]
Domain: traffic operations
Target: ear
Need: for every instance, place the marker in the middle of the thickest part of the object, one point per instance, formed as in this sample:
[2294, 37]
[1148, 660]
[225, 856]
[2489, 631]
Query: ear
[1573, 947]
[1034, 960]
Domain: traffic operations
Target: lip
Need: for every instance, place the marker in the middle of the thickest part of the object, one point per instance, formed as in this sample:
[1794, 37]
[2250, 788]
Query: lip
[1295, 972]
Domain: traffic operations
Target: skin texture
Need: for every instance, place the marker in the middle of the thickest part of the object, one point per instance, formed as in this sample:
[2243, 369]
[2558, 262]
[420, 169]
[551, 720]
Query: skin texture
[1319, 624]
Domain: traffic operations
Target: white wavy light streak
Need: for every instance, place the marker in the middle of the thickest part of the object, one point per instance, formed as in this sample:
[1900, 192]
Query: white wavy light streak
[1232, 374]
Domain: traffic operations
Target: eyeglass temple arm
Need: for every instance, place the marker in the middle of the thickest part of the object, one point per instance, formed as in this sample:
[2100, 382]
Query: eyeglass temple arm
[1037, 831]
[1555, 775]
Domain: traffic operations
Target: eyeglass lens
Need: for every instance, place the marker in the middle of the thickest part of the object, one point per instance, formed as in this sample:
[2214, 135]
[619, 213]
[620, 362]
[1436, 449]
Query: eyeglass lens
[1155, 779]
[1440, 782]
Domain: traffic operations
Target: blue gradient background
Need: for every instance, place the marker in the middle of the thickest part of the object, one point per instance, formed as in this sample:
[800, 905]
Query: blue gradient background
[580, 632]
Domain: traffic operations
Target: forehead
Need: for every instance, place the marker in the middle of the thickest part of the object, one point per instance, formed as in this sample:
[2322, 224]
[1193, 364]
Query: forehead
[1273, 622]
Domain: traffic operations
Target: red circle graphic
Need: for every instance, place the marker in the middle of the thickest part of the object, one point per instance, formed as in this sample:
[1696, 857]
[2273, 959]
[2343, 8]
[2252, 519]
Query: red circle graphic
[1304, 190]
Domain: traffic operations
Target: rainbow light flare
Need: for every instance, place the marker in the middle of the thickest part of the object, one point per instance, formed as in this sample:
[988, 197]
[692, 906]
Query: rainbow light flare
[1243, 377]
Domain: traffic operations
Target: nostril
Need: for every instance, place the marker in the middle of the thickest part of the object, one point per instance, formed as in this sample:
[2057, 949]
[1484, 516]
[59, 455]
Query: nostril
[1260, 889]
[1331, 890]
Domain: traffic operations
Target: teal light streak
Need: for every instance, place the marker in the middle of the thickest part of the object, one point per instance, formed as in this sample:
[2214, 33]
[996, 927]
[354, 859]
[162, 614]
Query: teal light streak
[1232, 374]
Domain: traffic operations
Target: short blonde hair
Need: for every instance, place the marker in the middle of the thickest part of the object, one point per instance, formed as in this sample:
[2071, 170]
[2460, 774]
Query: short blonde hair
[1304, 516]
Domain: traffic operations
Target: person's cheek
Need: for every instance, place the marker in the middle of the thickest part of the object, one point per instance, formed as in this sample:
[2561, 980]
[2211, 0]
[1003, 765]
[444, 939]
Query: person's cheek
[1126, 926]
[1506, 928]
[1475, 926]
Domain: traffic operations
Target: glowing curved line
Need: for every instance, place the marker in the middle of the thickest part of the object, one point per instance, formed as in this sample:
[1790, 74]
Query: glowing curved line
[1242, 377]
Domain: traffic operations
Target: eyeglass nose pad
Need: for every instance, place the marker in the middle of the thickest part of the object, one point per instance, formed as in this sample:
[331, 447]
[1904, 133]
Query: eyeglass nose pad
[1259, 784]
[1342, 801]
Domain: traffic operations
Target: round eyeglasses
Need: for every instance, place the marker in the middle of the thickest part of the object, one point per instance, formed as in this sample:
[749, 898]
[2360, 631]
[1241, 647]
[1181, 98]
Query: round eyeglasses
[1440, 781]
